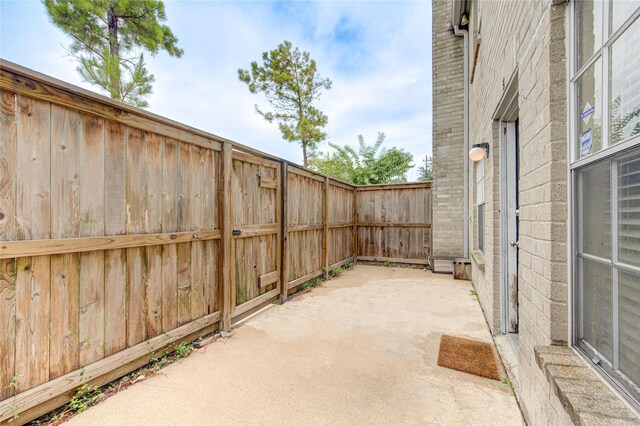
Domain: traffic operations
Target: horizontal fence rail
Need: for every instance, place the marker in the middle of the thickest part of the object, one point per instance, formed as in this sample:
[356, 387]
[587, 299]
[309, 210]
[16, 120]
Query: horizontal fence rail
[123, 233]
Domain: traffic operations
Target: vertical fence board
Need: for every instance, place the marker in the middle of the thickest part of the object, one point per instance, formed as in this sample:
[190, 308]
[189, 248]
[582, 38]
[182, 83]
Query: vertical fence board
[7, 165]
[210, 221]
[184, 224]
[153, 254]
[198, 303]
[136, 224]
[227, 226]
[91, 327]
[33, 208]
[7, 232]
[65, 268]
[169, 224]
[7, 327]
[115, 272]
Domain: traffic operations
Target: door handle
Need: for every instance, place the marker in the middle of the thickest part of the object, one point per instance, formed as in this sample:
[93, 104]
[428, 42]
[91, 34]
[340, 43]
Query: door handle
[514, 243]
[236, 232]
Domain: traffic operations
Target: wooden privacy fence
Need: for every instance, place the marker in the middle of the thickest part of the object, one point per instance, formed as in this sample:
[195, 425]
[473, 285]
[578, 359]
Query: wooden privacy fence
[122, 232]
[394, 223]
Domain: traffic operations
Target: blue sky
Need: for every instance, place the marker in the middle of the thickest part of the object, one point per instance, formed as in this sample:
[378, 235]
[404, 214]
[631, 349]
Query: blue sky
[377, 53]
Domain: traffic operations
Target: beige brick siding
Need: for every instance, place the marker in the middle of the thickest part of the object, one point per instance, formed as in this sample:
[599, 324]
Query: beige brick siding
[448, 134]
[528, 39]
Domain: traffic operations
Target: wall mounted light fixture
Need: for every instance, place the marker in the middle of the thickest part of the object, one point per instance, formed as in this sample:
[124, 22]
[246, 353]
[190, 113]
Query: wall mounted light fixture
[478, 151]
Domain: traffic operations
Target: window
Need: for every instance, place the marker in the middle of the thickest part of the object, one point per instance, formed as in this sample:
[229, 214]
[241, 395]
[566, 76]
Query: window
[605, 170]
[480, 202]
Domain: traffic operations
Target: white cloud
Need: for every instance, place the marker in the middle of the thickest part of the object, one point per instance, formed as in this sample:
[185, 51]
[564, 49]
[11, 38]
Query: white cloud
[378, 55]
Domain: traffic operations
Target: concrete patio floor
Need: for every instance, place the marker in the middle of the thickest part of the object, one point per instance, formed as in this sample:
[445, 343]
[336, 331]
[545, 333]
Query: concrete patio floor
[361, 349]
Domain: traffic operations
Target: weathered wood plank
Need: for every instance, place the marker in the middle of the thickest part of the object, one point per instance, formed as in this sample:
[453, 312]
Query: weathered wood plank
[325, 230]
[170, 224]
[65, 268]
[8, 149]
[227, 227]
[394, 186]
[64, 334]
[32, 322]
[115, 273]
[91, 209]
[268, 182]
[393, 225]
[267, 279]
[394, 260]
[256, 301]
[33, 208]
[198, 303]
[136, 223]
[184, 223]
[153, 254]
[13, 249]
[7, 328]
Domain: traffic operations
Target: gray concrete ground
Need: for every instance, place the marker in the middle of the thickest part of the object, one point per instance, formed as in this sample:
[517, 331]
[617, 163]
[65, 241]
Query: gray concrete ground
[362, 349]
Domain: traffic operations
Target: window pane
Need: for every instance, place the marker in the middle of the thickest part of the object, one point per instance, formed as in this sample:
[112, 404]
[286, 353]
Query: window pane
[629, 209]
[588, 29]
[595, 209]
[620, 12]
[624, 83]
[629, 317]
[596, 296]
[589, 107]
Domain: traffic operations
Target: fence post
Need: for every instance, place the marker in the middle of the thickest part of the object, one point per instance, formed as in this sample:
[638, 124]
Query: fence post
[325, 228]
[225, 212]
[282, 253]
[354, 229]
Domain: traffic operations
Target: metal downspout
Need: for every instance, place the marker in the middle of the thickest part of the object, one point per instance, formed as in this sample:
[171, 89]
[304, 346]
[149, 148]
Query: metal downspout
[465, 193]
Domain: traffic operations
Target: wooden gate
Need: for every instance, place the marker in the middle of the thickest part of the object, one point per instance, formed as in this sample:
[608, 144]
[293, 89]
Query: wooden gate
[256, 235]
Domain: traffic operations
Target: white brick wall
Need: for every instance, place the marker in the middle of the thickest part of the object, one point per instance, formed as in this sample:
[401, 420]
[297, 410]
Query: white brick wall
[529, 38]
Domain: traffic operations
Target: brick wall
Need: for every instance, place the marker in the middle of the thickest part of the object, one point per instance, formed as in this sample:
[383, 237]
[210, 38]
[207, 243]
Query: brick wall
[526, 39]
[448, 134]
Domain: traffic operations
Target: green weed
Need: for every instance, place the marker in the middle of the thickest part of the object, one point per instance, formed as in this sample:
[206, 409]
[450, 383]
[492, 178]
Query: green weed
[85, 397]
[184, 349]
[505, 381]
[336, 271]
[389, 264]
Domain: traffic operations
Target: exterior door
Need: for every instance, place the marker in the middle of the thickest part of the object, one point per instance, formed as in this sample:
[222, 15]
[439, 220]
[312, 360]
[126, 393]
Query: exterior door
[255, 244]
[510, 132]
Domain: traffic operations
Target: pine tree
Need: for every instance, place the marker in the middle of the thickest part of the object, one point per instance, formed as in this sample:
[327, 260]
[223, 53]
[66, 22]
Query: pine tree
[288, 78]
[109, 38]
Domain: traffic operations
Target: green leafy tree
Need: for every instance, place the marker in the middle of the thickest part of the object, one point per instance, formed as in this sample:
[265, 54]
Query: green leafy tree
[367, 166]
[109, 38]
[425, 172]
[290, 82]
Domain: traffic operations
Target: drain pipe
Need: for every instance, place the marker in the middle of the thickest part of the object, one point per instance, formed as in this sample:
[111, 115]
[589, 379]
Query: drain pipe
[465, 193]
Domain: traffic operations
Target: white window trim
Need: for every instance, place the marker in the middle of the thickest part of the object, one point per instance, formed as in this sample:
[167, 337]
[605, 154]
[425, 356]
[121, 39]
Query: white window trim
[576, 163]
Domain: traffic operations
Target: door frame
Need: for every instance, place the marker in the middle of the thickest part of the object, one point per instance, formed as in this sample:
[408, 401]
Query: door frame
[508, 227]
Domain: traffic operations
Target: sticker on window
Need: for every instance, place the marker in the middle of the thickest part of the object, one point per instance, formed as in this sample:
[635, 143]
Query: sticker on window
[586, 139]
[587, 112]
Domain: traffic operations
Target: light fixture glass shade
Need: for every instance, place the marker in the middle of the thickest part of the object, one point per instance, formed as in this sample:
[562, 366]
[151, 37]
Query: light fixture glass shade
[476, 153]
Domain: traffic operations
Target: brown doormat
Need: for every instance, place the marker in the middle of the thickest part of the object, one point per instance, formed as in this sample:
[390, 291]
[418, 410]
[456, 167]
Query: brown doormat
[470, 356]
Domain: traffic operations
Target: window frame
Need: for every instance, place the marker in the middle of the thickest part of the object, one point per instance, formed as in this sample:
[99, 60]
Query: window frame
[480, 203]
[607, 153]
